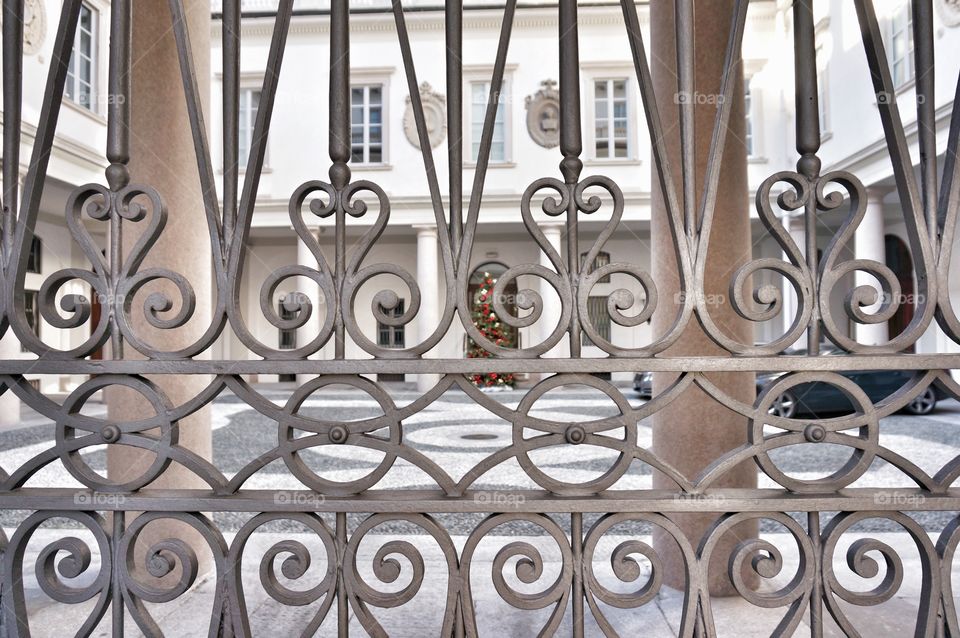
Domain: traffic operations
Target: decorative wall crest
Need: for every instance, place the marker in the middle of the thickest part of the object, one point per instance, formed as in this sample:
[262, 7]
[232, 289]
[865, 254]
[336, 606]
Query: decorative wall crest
[434, 113]
[34, 26]
[949, 12]
[543, 115]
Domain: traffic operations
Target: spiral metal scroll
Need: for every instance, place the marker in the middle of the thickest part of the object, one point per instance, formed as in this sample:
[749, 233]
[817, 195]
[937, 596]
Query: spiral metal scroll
[528, 569]
[66, 558]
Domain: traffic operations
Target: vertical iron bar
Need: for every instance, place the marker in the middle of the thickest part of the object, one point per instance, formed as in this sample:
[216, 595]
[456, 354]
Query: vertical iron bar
[116, 607]
[231, 114]
[926, 110]
[571, 146]
[454, 42]
[343, 610]
[576, 546]
[684, 25]
[118, 109]
[340, 147]
[808, 141]
[12, 115]
[816, 606]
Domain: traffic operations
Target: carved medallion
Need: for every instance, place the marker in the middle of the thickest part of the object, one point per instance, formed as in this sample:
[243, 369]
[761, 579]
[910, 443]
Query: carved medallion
[543, 115]
[949, 12]
[434, 114]
[34, 26]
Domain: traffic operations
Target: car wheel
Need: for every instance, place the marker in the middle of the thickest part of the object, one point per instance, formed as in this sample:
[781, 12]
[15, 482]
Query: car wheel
[784, 406]
[925, 403]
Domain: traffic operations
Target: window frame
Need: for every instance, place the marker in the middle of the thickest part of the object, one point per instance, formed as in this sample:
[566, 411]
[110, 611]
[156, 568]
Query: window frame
[475, 75]
[900, 24]
[366, 84]
[609, 79]
[286, 336]
[393, 331]
[72, 83]
[35, 256]
[248, 88]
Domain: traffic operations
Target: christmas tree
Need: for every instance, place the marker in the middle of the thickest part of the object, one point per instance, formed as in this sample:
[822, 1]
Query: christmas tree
[490, 326]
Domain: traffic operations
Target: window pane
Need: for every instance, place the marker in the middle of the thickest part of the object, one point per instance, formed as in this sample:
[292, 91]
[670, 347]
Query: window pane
[375, 114]
[376, 154]
[601, 89]
[602, 150]
[356, 96]
[620, 89]
[375, 94]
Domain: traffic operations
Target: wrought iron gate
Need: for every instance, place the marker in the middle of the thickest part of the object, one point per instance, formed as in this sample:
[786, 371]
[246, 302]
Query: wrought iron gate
[930, 205]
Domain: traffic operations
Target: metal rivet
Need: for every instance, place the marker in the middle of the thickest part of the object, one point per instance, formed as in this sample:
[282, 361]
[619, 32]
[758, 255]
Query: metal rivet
[338, 434]
[815, 433]
[110, 434]
[575, 435]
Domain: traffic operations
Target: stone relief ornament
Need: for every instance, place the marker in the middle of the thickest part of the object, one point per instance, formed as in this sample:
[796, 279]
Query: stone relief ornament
[543, 115]
[949, 12]
[434, 114]
[34, 26]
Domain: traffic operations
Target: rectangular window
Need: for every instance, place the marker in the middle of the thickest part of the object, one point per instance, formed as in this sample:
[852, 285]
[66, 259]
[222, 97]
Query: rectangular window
[366, 124]
[249, 106]
[82, 71]
[602, 259]
[612, 125]
[35, 258]
[391, 336]
[479, 94]
[599, 318]
[748, 139]
[32, 311]
[901, 45]
[288, 338]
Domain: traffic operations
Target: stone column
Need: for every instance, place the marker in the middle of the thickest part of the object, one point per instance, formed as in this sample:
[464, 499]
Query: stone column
[695, 430]
[162, 156]
[869, 244]
[309, 289]
[428, 277]
[9, 402]
[552, 307]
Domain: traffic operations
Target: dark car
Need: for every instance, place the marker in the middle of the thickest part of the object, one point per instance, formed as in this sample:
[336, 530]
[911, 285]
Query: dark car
[824, 398]
[643, 384]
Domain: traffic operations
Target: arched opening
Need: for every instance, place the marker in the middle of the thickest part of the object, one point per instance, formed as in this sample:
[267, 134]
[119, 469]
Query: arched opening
[898, 260]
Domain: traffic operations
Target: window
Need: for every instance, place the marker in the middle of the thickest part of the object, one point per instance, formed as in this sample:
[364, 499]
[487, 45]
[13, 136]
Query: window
[748, 135]
[288, 338]
[598, 317]
[35, 258]
[82, 72]
[901, 45]
[479, 93]
[249, 106]
[366, 124]
[612, 124]
[32, 311]
[602, 259]
[391, 336]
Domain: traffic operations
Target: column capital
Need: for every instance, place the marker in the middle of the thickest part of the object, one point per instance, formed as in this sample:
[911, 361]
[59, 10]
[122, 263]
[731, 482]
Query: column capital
[425, 229]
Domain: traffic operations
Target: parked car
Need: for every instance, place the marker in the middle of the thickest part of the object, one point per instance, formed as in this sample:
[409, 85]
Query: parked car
[643, 384]
[824, 398]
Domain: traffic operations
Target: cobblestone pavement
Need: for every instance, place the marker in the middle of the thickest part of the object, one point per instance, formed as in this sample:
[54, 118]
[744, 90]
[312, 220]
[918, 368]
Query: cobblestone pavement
[456, 433]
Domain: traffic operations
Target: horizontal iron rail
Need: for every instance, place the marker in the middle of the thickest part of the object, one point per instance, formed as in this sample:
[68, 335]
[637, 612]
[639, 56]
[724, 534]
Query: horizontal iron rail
[842, 363]
[484, 501]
